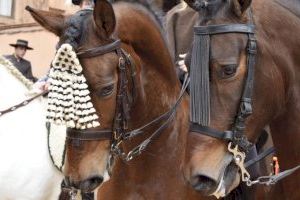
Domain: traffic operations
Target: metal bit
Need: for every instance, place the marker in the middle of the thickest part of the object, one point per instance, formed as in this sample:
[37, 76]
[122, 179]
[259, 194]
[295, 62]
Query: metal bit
[239, 159]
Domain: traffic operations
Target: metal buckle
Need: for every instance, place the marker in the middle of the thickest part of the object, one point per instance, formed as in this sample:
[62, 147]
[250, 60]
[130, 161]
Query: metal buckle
[252, 45]
[122, 63]
[137, 151]
[246, 107]
[239, 159]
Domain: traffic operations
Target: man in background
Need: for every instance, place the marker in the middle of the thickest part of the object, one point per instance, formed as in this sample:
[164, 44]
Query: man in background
[84, 4]
[17, 59]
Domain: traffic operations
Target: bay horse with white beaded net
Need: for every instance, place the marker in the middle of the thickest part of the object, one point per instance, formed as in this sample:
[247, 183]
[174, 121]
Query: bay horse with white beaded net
[142, 108]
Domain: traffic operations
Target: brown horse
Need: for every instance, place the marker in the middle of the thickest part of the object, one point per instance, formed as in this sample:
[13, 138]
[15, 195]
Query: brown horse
[158, 172]
[275, 92]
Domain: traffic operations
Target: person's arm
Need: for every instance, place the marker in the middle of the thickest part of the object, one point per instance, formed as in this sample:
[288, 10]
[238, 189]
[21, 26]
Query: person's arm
[43, 83]
[170, 23]
[29, 74]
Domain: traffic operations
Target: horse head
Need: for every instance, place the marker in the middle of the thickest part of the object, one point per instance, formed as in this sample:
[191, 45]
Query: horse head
[226, 29]
[114, 76]
[85, 30]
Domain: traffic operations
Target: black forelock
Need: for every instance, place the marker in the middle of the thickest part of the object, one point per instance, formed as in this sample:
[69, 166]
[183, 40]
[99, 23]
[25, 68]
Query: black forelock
[74, 26]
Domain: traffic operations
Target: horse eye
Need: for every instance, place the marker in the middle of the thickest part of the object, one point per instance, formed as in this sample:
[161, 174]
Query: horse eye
[106, 91]
[228, 71]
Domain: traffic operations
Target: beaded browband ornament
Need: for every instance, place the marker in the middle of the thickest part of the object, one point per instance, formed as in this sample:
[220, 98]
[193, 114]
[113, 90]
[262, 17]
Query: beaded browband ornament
[69, 101]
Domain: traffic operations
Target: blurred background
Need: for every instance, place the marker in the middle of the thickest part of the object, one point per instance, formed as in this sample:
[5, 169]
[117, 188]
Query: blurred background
[16, 23]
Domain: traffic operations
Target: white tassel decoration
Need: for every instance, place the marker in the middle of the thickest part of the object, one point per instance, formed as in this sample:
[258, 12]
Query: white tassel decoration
[67, 86]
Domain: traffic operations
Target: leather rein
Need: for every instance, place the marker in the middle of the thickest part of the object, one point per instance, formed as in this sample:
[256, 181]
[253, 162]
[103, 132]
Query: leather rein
[118, 134]
[22, 104]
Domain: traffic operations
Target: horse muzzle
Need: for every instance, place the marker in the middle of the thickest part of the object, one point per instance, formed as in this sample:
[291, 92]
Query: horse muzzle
[216, 181]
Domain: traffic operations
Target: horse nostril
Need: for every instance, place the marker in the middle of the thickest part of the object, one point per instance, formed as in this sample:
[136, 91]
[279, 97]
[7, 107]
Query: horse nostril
[203, 184]
[91, 184]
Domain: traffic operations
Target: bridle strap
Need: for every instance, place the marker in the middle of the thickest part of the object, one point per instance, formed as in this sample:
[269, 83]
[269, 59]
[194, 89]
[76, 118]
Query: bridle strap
[165, 118]
[123, 103]
[204, 130]
[100, 50]
[224, 28]
[259, 157]
[90, 135]
[245, 109]
[22, 104]
[236, 135]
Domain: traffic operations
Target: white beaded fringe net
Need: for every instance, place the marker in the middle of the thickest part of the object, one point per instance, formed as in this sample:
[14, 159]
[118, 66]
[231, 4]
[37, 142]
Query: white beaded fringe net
[69, 101]
[15, 72]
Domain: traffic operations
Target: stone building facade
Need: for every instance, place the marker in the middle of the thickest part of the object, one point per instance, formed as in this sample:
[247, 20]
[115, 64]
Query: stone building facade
[16, 23]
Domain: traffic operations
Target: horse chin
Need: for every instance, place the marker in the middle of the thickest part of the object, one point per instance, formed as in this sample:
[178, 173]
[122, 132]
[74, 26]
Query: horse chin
[228, 182]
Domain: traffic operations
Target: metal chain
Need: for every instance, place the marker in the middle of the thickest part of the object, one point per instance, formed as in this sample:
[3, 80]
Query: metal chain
[273, 179]
[239, 159]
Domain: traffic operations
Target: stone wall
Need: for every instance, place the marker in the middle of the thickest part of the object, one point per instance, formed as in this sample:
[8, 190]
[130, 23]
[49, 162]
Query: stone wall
[21, 16]
[22, 26]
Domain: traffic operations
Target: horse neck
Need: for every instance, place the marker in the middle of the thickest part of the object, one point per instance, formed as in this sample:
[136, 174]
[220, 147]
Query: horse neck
[158, 86]
[278, 72]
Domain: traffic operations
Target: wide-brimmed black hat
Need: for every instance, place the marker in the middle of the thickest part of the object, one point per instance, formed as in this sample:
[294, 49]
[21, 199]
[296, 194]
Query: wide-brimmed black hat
[21, 43]
[76, 2]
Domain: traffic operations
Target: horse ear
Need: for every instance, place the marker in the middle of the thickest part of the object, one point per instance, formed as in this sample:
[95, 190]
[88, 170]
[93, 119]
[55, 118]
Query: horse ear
[53, 22]
[104, 17]
[241, 6]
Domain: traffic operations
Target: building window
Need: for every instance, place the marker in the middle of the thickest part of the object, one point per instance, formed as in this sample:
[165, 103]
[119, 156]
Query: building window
[6, 7]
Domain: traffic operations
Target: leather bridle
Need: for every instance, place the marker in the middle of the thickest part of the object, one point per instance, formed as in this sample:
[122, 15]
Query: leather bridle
[238, 142]
[119, 133]
[236, 135]
[125, 98]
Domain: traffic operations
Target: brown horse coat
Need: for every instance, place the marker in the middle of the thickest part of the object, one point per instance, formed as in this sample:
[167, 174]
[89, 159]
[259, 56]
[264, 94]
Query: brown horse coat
[157, 173]
[276, 87]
